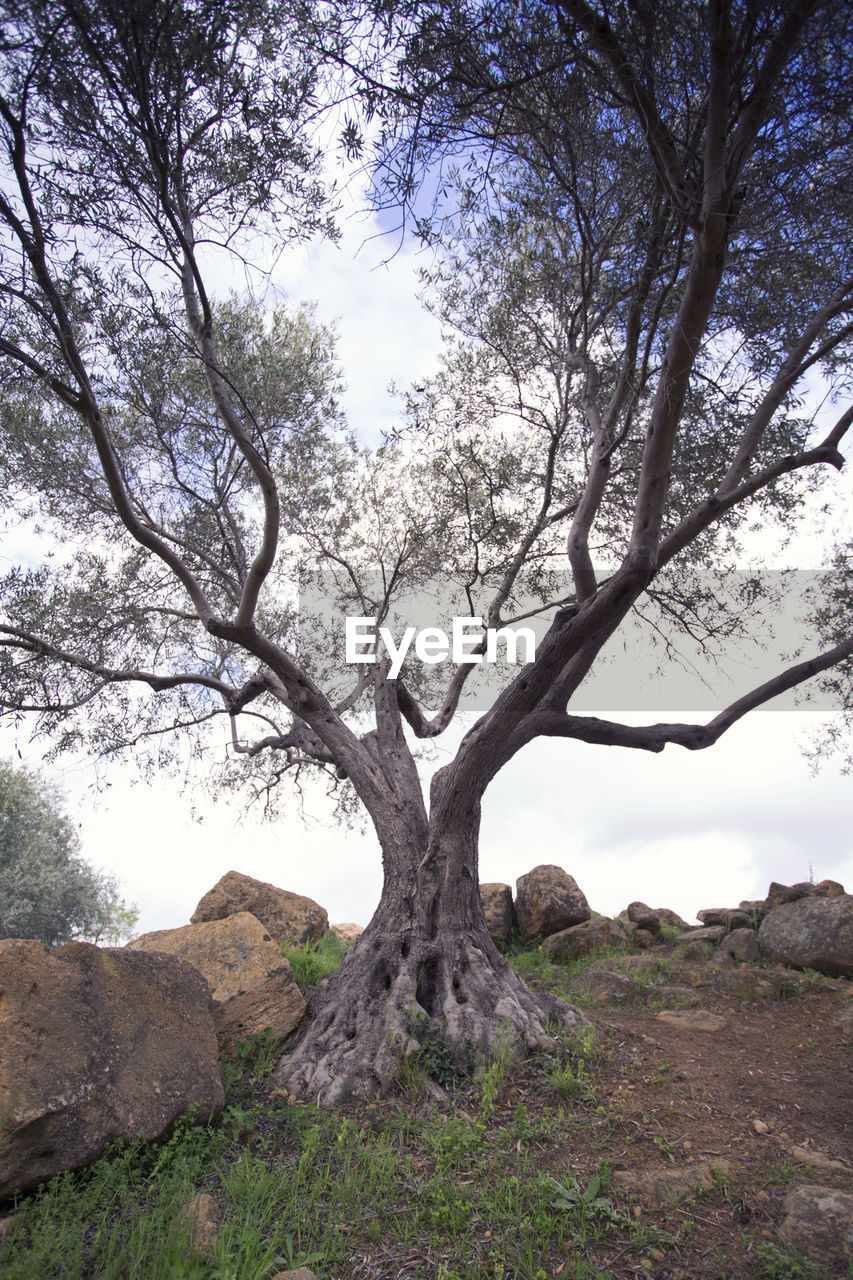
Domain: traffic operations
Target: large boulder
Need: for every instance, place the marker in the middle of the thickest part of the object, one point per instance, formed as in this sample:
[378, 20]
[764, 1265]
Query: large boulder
[498, 910]
[97, 1045]
[740, 945]
[548, 900]
[252, 984]
[811, 933]
[585, 939]
[287, 917]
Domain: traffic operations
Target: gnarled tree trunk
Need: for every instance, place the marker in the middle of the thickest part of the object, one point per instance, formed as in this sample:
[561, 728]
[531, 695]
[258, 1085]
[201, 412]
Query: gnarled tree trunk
[425, 966]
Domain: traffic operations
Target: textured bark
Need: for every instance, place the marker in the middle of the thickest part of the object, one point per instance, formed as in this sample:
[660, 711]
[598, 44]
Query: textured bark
[425, 966]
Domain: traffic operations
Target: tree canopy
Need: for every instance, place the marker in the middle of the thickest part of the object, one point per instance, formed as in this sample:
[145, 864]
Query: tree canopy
[47, 890]
[640, 236]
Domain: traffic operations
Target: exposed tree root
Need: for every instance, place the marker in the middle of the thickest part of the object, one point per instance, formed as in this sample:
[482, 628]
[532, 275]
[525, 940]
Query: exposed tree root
[389, 995]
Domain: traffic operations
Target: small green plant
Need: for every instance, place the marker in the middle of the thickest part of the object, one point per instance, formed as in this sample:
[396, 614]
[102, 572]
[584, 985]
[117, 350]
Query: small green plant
[494, 1076]
[573, 1082]
[773, 1263]
[437, 1057]
[666, 1147]
[589, 1205]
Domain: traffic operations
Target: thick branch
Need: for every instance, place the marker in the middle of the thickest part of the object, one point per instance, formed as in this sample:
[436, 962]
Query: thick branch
[694, 737]
[40, 647]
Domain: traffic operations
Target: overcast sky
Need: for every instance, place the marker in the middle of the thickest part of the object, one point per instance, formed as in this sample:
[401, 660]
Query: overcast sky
[684, 830]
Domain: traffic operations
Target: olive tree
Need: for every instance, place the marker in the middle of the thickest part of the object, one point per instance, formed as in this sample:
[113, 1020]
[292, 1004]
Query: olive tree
[646, 257]
[47, 890]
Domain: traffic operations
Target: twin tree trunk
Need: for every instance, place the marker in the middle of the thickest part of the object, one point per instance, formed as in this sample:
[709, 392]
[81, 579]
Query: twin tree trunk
[424, 967]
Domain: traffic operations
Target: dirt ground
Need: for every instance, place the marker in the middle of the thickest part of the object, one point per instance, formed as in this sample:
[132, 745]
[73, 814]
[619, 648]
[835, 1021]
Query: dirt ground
[762, 1103]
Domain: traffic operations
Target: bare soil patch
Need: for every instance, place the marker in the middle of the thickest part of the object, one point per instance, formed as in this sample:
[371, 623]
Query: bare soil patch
[766, 1102]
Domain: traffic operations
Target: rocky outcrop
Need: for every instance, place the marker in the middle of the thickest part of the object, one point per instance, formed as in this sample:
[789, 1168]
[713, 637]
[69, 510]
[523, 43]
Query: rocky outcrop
[779, 895]
[287, 917]
[811, 932]
[98, 1045]
[548, 900]
[252, 984]
[498, 910]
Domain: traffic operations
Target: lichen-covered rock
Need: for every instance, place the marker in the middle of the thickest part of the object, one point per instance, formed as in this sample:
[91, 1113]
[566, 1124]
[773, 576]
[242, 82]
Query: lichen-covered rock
[643, 917]
[669, 919]
[548, 900]
[584, 939]
[693, 1019]
[811, 933]
[203, 1222]
[252, 984]
[703, 933]
[751, 983]
[601, 986]
[819, 1222]
[670, 1183]
[287, 917]
[97, 1045]
[730, 918]
[741, 945]
[498, 910]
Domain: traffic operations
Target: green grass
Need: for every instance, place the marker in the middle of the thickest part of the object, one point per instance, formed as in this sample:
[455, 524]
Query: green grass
[314, 961]
[479, 1185]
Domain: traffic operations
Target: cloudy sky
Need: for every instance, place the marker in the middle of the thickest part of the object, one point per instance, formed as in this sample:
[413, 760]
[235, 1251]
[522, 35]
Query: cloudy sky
[685, 830]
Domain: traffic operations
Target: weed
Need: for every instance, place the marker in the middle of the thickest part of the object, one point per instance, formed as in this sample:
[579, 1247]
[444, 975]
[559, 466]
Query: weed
[589, 1206]
[494, 1076]
[573, 1082]
[665, 1147]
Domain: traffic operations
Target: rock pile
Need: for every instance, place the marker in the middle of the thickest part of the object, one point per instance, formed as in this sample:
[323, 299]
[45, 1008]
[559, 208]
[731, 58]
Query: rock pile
[105, 1044]
[801, 926]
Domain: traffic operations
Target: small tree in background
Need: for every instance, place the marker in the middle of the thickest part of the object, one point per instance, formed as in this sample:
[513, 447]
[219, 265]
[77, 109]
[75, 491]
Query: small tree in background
[47, 891]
